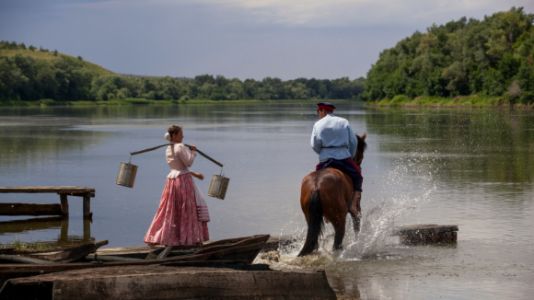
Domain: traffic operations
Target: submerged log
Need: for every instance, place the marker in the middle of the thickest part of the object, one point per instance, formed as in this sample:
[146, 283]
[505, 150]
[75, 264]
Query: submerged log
[158, 282]
[423, 234]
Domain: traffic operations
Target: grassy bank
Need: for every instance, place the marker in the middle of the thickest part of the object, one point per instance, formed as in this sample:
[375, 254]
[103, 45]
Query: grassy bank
[460, 101]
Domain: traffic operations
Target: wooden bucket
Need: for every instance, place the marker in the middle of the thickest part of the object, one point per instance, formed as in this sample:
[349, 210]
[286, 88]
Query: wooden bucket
[218, 186]
[126, 176]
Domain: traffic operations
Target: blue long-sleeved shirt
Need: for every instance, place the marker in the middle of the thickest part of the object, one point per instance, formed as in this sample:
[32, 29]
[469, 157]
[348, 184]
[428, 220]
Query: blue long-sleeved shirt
[332, 137]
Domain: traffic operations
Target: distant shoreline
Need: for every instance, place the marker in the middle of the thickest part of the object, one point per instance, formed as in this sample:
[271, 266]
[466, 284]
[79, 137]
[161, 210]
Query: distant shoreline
[470, 101]
[396, 102]
[135, 101]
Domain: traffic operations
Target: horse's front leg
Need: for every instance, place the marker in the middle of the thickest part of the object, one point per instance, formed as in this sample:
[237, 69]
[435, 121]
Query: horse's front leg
[339, 228]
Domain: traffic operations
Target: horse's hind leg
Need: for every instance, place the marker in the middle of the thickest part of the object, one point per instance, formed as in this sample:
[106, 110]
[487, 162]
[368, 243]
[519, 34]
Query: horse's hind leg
[356, 223]
[339, 228]
[356, 211]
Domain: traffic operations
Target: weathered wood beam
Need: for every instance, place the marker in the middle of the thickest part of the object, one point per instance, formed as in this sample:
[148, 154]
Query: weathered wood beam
[27, 209]
[157, 282]
[24, 259]
[69, 190]
[70, 254]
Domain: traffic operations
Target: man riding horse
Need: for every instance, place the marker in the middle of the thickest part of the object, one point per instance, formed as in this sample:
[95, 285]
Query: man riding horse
[335, 142]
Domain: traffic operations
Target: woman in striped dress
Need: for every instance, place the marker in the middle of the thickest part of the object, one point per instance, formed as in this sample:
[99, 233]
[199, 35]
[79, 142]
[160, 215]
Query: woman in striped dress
[182, 215]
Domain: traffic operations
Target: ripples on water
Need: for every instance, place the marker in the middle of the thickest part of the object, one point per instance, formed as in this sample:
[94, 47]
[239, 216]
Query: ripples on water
[471, 168]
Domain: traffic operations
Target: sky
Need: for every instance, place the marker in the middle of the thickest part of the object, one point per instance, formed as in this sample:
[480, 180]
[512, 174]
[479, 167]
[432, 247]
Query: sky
[287, 39]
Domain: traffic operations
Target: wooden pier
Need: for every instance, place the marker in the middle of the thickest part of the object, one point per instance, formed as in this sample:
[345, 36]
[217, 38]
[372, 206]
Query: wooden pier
[19, 209]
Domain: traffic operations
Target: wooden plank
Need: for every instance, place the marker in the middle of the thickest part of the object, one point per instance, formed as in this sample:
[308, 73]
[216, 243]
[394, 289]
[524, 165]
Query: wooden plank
[236, 252]
[10, 250]
[27, 209]
[78, 194]
[23, 259]
[48, 189]
[156, 282]
[70, 254]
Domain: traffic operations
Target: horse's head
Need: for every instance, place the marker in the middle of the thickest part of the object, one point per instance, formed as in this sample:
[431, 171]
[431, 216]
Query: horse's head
[360, 148]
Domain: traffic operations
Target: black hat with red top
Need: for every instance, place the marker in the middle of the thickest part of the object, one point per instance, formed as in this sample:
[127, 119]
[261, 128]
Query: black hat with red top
[326, 106]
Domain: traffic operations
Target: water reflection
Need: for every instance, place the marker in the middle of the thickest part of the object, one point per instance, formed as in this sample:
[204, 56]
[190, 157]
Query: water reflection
[22, 147]
[469, 146]
[48, 223]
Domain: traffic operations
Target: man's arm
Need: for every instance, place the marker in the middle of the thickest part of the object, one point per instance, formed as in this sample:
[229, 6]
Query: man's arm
[315, 141]
[352, 141]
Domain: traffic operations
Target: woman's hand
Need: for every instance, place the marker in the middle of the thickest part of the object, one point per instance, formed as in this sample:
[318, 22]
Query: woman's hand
[193, 147]
[198, 175]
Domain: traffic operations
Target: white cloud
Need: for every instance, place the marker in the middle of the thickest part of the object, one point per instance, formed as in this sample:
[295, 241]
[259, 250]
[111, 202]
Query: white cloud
[320, 13]
[327, 13]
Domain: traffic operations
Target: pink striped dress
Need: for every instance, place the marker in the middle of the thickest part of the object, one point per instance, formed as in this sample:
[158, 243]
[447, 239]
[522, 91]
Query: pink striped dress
[182, 216]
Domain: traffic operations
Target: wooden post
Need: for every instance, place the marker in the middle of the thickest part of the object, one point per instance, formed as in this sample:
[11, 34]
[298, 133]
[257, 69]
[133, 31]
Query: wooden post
[64, 233]
[87, 206]
[86, 229]
[64, 204]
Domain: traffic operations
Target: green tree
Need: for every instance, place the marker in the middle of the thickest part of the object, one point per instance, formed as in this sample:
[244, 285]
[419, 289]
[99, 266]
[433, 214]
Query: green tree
[459, 58]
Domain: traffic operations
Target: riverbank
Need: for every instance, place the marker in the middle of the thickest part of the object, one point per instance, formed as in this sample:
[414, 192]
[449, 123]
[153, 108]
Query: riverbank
[474, 101]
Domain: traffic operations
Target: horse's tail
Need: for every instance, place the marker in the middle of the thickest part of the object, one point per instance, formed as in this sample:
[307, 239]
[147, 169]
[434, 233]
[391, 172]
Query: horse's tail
[315, 224]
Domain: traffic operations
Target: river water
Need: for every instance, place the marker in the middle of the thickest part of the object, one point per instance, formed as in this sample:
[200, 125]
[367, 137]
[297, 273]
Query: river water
[471, 168]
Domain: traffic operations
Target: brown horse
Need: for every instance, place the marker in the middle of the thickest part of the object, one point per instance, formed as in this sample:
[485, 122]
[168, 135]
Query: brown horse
[328, 193]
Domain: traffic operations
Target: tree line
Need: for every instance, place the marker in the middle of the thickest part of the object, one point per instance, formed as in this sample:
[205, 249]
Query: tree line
[493, 57]
[24, 75]
[489, 57]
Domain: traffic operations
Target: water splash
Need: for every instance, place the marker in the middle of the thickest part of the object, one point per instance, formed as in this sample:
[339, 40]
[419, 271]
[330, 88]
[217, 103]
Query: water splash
[292, 238]
[409, 184]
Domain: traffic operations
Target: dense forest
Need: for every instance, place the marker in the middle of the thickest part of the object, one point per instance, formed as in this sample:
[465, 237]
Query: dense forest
[29, 73]
[491, 57]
